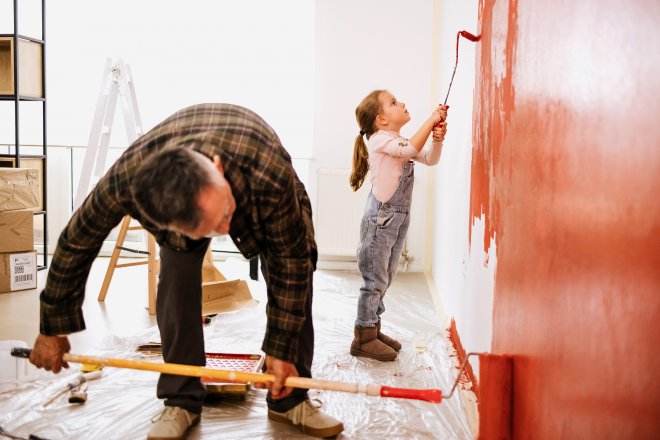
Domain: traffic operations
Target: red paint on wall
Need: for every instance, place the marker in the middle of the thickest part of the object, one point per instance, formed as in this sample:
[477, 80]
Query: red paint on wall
[467, 380]
[566, 175]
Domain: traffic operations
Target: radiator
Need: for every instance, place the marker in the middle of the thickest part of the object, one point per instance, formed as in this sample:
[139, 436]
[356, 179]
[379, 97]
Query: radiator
[338, 213]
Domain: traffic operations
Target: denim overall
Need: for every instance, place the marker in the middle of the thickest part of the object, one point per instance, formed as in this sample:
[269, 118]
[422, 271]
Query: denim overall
[382, 234]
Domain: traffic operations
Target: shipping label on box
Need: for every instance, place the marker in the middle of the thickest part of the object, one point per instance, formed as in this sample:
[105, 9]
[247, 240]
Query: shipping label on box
[16, 231]
[19, 188]
[18, 271]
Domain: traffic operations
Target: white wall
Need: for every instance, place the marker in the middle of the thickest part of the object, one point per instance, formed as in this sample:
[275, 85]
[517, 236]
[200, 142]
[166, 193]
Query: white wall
[256, 53]
[366, 45]
[463, 276]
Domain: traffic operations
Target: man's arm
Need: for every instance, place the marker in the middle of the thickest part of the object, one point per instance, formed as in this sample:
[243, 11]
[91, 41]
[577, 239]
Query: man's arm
[289, 263]
[77, 247]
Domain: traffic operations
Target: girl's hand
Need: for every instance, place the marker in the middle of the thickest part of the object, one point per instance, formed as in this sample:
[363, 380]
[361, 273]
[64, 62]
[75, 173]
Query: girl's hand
[440, 114]
[439, 132]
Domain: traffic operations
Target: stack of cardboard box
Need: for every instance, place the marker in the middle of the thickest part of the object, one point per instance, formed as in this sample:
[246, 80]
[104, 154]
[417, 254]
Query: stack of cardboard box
[20, 195]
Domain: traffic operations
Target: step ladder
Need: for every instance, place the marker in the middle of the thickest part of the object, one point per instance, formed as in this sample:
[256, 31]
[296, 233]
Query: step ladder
[117, 83]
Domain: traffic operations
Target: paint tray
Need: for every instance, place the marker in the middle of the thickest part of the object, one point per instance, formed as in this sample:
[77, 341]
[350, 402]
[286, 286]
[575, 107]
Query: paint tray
[247, 363]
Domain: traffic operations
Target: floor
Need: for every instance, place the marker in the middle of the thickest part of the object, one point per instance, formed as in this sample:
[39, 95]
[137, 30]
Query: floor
[122, 401]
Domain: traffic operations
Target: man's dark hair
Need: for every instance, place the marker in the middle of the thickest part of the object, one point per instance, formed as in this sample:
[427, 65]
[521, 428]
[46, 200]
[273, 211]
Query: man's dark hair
[166, 185]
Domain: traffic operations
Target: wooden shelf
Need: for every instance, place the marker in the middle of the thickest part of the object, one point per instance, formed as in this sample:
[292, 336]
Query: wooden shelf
[30, 56]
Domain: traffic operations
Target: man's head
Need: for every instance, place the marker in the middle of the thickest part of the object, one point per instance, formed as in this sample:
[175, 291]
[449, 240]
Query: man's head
[182, 190]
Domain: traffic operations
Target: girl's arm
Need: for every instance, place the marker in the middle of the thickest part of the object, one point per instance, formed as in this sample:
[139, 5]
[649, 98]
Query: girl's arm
[431, 156]
[419, 139]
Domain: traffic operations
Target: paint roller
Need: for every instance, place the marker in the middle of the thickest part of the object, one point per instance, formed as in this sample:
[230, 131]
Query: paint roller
[428, 395]
[467, 35]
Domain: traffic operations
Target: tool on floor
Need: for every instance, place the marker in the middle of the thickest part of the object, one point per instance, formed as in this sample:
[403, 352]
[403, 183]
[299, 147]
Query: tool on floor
[78, 394]
[75, 383]
[5, 433]
[429, 395]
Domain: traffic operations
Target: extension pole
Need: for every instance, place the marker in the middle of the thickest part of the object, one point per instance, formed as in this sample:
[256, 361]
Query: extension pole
[430, 395]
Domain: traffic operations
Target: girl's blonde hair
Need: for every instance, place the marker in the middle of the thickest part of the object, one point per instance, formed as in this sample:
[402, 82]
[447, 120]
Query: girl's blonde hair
[366, 114]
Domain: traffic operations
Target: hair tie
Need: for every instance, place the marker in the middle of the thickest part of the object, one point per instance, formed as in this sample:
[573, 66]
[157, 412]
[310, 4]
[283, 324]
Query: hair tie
[362, 133]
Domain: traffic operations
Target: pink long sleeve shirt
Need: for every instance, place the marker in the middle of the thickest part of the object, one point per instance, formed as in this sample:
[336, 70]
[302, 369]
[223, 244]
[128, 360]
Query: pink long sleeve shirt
[388, 151]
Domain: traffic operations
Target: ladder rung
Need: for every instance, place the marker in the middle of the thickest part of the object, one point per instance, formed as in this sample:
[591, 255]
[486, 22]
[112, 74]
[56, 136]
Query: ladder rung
[135, 228]
[138, 263]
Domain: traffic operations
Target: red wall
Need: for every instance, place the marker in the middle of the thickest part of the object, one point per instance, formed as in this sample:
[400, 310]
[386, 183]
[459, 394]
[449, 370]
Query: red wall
[566, 171]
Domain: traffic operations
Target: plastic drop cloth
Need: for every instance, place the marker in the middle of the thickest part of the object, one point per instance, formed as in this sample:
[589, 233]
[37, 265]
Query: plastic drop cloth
[121, 403]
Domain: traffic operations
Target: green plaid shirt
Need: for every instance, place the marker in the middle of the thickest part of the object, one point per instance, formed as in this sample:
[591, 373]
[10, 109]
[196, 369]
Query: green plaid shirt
[273, 218]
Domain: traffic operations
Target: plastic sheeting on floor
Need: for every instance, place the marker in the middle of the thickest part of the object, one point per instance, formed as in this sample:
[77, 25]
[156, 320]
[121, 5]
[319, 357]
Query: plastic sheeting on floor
[121, 403]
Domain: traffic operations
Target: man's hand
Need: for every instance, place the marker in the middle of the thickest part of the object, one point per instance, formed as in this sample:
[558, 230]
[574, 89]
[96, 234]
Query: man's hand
[48, 351]
[281, 370]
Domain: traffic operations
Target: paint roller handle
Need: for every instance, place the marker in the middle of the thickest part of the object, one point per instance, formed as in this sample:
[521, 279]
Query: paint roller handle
[21, 352]
[434, 396]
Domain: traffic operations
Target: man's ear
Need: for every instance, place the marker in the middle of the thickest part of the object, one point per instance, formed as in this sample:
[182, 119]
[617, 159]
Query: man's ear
[217, 163]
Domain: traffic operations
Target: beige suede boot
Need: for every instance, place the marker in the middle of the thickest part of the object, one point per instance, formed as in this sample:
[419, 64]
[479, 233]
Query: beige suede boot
[396, 345]
[366, 344]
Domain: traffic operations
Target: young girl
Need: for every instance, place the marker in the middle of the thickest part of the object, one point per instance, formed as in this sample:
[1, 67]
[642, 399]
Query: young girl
[390, 158]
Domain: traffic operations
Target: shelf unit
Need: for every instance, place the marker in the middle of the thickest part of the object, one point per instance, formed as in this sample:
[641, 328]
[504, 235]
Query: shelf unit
[23, 78]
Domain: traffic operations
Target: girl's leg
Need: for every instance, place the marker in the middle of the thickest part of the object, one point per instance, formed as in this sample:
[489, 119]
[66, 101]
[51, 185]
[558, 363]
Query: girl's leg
[381, 242]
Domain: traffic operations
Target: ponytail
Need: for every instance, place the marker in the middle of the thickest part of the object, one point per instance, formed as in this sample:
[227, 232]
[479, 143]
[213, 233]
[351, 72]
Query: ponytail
[366, 114]
[360, 163]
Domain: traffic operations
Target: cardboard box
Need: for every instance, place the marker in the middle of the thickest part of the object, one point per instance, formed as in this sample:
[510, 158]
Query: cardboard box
[19, 189]
[16, 231]
[18, 271]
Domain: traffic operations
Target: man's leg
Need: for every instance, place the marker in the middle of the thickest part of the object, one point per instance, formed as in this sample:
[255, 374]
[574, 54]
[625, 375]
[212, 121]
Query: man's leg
[179, 312]
[296, 409]
[305, 352]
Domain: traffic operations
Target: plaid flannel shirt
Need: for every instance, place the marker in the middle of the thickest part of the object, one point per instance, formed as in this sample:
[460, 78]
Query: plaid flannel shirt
[273, 218]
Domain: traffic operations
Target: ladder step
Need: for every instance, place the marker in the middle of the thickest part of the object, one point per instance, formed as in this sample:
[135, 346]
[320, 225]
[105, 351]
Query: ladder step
[137, 263]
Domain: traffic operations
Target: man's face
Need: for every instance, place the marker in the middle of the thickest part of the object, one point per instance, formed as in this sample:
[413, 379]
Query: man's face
[215, 202]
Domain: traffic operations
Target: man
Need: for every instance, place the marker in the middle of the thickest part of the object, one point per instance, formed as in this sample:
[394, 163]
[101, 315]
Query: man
[207, 170]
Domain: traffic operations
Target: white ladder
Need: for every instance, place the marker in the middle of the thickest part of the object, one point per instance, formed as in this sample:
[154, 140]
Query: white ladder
[117, 82]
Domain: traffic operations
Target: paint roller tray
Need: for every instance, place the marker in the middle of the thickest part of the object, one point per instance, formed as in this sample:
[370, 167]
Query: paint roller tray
[247, 363]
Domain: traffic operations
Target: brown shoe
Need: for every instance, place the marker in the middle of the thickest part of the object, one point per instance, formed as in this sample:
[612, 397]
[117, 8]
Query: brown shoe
[396, 345]
[367, 344]
[310, 419]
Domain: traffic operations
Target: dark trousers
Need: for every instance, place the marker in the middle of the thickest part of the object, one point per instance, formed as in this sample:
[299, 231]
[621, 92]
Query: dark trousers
[178, 313]
[179, 317]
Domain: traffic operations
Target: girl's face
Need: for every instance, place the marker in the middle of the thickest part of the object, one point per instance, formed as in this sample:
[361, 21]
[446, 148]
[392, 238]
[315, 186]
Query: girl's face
[393, 114]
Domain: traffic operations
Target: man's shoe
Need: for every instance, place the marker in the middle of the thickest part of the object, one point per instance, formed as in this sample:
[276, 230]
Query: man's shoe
[391, 342]
[310, 419]
[172, 424]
